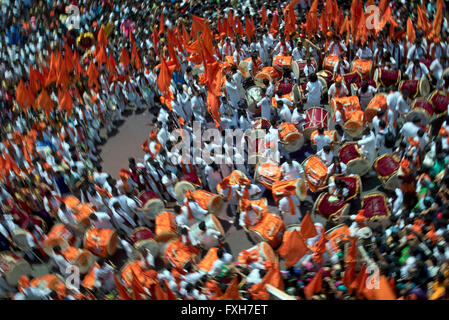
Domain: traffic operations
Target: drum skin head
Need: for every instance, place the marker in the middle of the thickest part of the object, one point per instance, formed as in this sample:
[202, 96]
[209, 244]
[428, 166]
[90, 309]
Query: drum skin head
[301, 189]
[424, 87]
[418, 113]
[295, 145]
[181, 187]
[393, 182]
[149, 244]
[359, 166]
[153, 207]
[296, 93]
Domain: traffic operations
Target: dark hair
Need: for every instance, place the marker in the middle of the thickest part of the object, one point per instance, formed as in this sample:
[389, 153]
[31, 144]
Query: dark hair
[202, 226]
[313, 77]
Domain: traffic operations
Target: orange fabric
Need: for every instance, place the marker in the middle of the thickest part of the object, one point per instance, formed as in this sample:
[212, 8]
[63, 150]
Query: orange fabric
[124, 58]
[203, 197]
[330, 133]
[270, 227]
[102, 38]
[364, 67]
[44, 101]
[308, 229]
[247, 257]
[53, 283]
[232, 291]
[268, 174]
[293, 247]
[263, 15]
[319, 248]
[178, 253]
[274, 27]
[339, 234]
[283, 188]
[122, 291]
[165, 222]
[314, 286]
[90, 278]
[273, 277]
[316, 170]
[170, 294]
[292, 206]
[411, 35]
[385, 292]
[208, 260]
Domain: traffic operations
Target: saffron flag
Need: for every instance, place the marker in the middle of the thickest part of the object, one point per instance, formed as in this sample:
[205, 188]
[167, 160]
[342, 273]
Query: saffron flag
[308, 229]
[164, 77]
[293, 247]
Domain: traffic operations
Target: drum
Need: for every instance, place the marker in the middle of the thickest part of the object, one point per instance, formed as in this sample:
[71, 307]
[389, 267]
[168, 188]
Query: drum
[421, 109]
[90, 278]
[379, 101]
[211, 222]
[439, 100]
[208, 201]
[261, 123]
[365, 67]
[315, 117]
[327, 76]
[152, 208]
[347, 104]
[298, 67]
[296, 93]
[292, 138]
[351, 156]
[12, 267]
[267, 173]
[280, 62]
[329, 63]
[315, 173]
[50, 281]
[416, 88]
[284, 188]
[286, 89]
[270, 229]
[253, 96]
[178, 254]
[387, 168]
[165, 227]
[269, 73]
[133, 269]
[353, 182]
[387, 77]
[259, 253]
[352, 78]
[142, 237]
[235, 177]
[180, 188]
[81, 211]
[354, 123]
[101, 242]
[146, 196]
[328, 209]
[59, 235]
[375, 206]
[81, 258]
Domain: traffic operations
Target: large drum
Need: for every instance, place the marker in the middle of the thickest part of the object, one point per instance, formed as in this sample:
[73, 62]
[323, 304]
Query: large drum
[151, 203]
[208, 201]
[286, 89]
[261, 123]
[327, 76]
[416, 88]
[12, 267]
[81, 211]
[351, 156]
[81, 258]
[375, 206]
[354, 184]
[243, 67]
[267, 173]
[421, 109]
[280, 62]
[143, 238]
[315, 173]
[387, 78]
[354, 124]
[329, 63]
[101, 242]
[259, 253]
[378, 102]
[329, 208]
[178, 254]
[365, 67]
[211, 222]
[352, 78]
[347, 104]
[298, 67]
[440, 101]
[253, 96]
[292, 138]
[269, 73]
[315, 117]
[59, 235]
[270, 229]
[165, 227]
[388, 169]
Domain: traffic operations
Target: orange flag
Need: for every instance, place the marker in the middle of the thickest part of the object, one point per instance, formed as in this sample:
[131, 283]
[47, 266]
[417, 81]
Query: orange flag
[101, 56]
[164, 77]
[135, 56]
[161, 24]
[122, 291]
[20, 95]
[124, 58]
[314, 286]
[159, 293]
[411, 35]
[349, 275]
[232, 291]
[198, 25]
[111, 64]
[308, 229]
[92, 73]
[319, 248]
[137, 288]
[66, 102]
[351, 256]
[102, 39]
[383, 292]
[44, 101]
[293, 247]
[264, 16]
[185, 35]
[438, 19]
[68, 58]
[274, 28]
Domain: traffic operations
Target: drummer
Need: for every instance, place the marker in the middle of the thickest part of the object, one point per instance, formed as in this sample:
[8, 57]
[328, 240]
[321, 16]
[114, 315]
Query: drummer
[417, 70]
[337, 90]
[289, 207]
[192, 208]
[337, 168]
[326, 155]
[206, 238]
[250, 214]
[299, 53]
[247, 190]
[338, 189]
[291, 170]
[364, 52]
[368, 144]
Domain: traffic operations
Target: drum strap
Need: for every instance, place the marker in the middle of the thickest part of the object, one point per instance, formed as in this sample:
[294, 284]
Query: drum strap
[292, 205]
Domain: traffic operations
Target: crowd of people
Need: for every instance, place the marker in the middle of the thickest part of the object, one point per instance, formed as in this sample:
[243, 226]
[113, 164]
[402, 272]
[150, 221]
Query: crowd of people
[74, 70]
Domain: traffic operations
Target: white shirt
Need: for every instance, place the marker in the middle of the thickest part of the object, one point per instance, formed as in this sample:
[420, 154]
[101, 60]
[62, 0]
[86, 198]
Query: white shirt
[292, 172]
[314, 93]
[409, 129]
[321, 141]
[266, 108]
